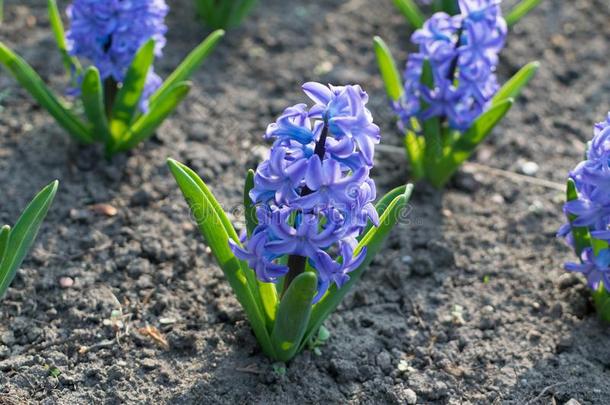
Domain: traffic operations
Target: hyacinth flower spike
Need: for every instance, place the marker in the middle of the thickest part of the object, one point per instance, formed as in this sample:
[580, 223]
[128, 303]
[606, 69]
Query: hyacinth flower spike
[311, 226]
[451, 100]
[587, 209]
[15, 242]
[415, 17]
[123, 101]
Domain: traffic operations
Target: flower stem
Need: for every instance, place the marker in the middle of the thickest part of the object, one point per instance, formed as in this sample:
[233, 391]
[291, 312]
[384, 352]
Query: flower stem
[296, 266]
[111, 88]
[453, 70]
[320, 149]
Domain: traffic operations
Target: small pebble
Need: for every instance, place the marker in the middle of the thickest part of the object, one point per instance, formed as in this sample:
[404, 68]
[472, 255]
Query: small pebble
[497, 198]
[529, 168]
[403, 366]
[487, 309]
[323, 68]
[407, 259]
[104, 209]
[410, 396]
[66, 282]
[536, 207]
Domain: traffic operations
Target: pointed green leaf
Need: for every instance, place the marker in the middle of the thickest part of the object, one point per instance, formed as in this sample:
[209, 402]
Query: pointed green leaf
[520, 11]
[31, 81]
[415, 146]
[93, 102]
[126, 102]
[467, 143]
[250, 208]
[513, 87]
[4, 234]
[601, 298]
[188, 66]
[389, 71]
[373, 241]
[57, 26]
[383, 203]
[411, 12]
[253, 283]
[582, 238]
[212, 227]
[146, 125]
[268, 294]
[226, 223]
[293, 316]
[21, 237]
[269, 298]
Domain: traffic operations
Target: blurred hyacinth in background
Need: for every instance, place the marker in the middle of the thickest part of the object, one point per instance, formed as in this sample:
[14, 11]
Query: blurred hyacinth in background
[448, 99]
[109, 34]
[314, 194]
[463, 55]
[592, 180]
[117, 98]
[588, 211]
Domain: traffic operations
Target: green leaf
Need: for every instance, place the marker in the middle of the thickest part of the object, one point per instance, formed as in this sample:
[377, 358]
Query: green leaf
[126, 102]
[415, 146]
[224, 14]
[264, 293]
[21, 237]
[389, 71]
[214, 230]
[598, 245]
[92, 95]
[293, 316]
[411, 12]
[384, 202]
[250, 208]
[601, 298]
[31, 81]
[146, 125]
[582, 238]
[239, 14]
[205, 8]
[57, 26]
[520, 11]
[267, 293]
[4, 235]
[451, 7]
[467, 143]
[187, 67]
[513, 87]
[373, 241]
